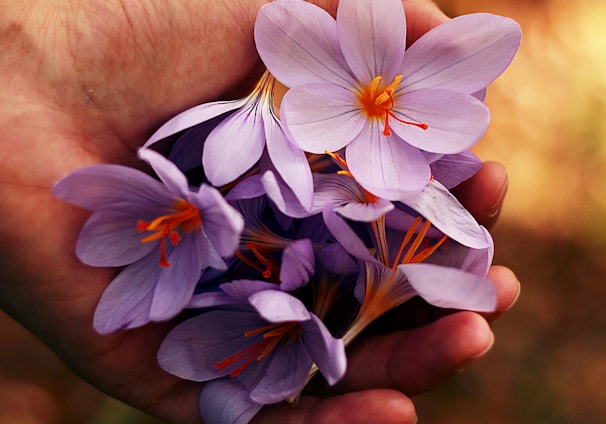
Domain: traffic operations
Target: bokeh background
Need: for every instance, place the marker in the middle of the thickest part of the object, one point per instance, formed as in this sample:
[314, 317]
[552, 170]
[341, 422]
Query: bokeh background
[549, 361]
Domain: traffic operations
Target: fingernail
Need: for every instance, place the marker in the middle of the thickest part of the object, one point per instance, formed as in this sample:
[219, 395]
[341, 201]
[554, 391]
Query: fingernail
[494, 210]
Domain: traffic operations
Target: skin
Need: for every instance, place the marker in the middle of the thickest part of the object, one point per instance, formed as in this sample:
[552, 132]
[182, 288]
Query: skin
[87, 82]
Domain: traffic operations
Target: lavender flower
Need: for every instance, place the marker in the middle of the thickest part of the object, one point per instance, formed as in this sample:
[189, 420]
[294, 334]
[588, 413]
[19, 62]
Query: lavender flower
[269, 342]
[164, 233]
[250, 126]
[354, 86]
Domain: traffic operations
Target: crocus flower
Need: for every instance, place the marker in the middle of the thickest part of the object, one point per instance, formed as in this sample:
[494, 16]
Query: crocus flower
[413, 263]
[234, 145]
[269, 343]
[354, 85]
[164, 233]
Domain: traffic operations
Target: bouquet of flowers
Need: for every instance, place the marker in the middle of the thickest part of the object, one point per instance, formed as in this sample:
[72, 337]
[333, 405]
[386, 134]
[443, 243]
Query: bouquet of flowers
[285, 222]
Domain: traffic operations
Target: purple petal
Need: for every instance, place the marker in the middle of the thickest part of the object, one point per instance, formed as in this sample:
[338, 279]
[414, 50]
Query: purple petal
[282, 196]
[452, 170]
[298, 265]
[465, 54]
[450, 287]
[221, 222]
[298, 43]
[227, 401]
[95, 187]
[192, 348]
[456, 121]
[193, 116]
[445, 212]
[167, 171]
[347, 198]
[127, 300]
[111, 238]
[327, 352]
[186, 152]
[372, 35]
[277, 306]
[249, 188]
[346, 236]
[176, 283]
[241, 290]
[321, 117]
[234, 146]
[386, 166]
[285, 374]
[290, 162]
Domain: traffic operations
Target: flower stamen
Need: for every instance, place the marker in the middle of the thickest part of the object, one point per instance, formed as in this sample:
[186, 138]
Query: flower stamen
[186, 218]
[273, 335]
[379, 105]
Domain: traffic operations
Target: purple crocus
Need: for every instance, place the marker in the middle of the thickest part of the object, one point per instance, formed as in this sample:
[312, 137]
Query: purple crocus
[420, 261]
[269, 342]
[235, 145]
[164, 233]
[354, 85]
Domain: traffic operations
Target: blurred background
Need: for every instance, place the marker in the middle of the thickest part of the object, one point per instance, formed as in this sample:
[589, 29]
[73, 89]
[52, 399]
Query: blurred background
[549, 361]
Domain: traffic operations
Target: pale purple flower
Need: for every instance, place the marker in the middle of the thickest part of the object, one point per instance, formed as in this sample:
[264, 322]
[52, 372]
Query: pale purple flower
[418, 262]
[269, 343]
[354, 85]
[164, 233]
[235, 145]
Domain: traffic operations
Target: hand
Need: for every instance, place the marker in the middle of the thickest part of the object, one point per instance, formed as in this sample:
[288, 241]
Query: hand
[88, 83]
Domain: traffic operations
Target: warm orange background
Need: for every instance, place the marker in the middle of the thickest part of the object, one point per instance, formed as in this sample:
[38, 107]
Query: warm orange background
[549, 361]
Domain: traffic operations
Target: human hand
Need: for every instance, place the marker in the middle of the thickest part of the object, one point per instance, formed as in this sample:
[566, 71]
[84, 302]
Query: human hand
[88, 83]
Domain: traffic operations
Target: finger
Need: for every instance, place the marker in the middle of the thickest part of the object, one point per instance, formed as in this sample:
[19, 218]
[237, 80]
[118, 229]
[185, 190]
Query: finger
[484, 193]
[371, 406]
[414, 361]
[508, 290]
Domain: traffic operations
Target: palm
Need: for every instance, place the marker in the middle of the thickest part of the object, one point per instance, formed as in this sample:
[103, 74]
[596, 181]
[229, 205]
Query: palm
[88, 86]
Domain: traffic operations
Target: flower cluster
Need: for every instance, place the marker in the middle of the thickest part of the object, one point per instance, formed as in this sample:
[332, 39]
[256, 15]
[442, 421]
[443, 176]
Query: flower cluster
[287, 221]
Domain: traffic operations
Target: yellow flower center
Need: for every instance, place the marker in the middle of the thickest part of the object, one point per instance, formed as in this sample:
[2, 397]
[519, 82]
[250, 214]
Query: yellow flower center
[378, 103]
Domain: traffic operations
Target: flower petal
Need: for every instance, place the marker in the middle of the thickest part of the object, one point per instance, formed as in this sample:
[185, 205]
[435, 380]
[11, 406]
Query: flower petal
[192, 348]
[167, 171]
[386, 166]
[456, 121]
[298, 43]
[346, 237]
[221, 222]
[372, 35]
[193, 116]
[445, 212]
[111, 238]
[234, 146]
[450, 287]
[465, 54]
[278, 306]
[176, 283]
[298, 265]
[290, 162]
[127, 300]
[285, 374]
[321, 117]
[97, 186]
[452, 170]
[282, 196]
[227, 401]
[327, 352]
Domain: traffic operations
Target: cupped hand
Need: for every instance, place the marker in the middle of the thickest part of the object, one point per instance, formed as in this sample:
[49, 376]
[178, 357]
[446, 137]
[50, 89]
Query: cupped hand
[87, 83]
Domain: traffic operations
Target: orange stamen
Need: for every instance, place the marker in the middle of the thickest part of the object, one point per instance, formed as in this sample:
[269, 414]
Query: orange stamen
[274, 334]
[185, 219]
[269, 268]
[379, 105]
